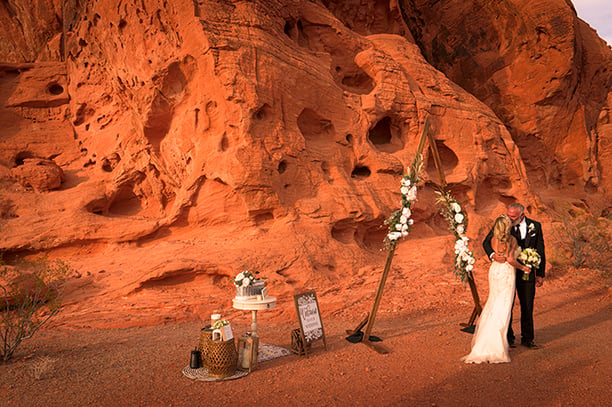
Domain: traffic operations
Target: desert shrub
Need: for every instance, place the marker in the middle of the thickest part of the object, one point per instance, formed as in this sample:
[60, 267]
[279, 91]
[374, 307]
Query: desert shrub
[42, 367]
[30, 295]
[583, 239]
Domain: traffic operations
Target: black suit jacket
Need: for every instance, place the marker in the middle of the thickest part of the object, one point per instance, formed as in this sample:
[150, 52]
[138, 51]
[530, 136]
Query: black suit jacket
[534, 239]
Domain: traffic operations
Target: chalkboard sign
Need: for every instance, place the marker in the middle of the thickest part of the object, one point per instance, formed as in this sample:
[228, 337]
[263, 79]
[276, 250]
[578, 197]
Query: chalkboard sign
[310, 319]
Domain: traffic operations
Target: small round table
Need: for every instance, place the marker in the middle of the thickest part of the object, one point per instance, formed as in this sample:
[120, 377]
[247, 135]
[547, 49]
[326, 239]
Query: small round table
[254, 306]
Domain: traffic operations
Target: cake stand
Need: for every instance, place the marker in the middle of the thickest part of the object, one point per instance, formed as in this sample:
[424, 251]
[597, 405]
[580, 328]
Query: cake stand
[254, 306]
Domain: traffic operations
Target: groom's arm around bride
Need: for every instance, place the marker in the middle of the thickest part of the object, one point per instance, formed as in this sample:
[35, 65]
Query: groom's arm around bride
[528, 233]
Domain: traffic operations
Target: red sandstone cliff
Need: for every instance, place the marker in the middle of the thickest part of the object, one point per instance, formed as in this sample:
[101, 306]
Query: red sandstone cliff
[159, 143]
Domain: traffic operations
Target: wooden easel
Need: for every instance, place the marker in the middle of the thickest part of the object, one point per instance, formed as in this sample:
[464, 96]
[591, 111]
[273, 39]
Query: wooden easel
[311, 325]
[371, 317]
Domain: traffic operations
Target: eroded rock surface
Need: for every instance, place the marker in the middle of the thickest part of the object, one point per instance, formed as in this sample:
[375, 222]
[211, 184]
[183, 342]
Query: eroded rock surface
[198, 139]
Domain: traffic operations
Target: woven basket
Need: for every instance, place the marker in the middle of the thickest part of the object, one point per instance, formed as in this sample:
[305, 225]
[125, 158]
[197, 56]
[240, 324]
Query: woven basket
[297, 346]
[205, 339]
[221, 358]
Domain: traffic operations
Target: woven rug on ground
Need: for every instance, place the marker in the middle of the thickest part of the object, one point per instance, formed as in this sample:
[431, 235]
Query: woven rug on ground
[269, 352]
[266, 352]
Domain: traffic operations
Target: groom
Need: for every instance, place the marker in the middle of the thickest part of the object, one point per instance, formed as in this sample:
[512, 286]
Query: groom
[528, 233]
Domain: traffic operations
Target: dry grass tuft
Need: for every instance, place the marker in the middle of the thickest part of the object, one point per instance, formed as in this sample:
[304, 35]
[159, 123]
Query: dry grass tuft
[41, 367]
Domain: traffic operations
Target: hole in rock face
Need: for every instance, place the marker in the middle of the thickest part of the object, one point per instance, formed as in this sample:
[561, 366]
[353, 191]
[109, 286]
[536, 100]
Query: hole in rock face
[109, 163]
[224, 145]
[158, 120]
[97, 206]
[122, 23]
[263, 217]
[55, 88]
[380, 134]
[385, 136]
[371, 235]
[361, 172]
[282, 167]
[82, 113]
[22, 156]
[315, 127]
[125, 202]
[349, 138]
[344, 231]
[294, 29]
[347, 74]
[170, 278]
[448, 158]
[174, 82]
[360, 82]
[367, 234]
[107, 166]
[262, 113]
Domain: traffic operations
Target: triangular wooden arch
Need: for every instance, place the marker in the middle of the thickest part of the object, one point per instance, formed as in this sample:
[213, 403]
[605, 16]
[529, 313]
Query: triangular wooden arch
[368, 322]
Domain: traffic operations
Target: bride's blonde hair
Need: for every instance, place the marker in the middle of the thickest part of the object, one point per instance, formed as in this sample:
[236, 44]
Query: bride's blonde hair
[501, 228]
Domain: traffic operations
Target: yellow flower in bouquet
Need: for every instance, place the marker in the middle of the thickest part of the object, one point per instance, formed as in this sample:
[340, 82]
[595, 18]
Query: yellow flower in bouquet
[529, 257]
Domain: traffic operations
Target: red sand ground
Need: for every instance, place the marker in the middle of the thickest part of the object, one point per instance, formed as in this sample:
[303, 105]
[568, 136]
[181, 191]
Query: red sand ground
[142, 365]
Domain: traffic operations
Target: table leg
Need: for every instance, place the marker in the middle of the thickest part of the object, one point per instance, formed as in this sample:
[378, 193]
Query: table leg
[254, 322]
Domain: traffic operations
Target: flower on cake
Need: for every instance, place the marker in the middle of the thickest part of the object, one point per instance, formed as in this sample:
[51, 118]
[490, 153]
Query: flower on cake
[244, 278]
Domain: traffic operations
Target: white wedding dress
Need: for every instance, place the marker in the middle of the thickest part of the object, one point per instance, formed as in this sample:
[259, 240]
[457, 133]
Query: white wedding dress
[490, 343]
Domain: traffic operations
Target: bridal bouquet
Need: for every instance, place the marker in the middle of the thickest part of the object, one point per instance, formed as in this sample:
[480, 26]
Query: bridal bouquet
[529, 257]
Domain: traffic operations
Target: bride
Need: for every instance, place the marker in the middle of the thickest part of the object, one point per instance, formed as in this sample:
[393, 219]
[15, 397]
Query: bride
[490, 343]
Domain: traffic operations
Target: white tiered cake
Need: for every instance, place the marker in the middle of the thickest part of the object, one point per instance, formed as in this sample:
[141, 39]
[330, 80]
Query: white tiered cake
[252, 292]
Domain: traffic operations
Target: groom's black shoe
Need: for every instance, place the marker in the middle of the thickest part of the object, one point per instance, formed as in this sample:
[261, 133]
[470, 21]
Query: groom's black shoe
[530, 345]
